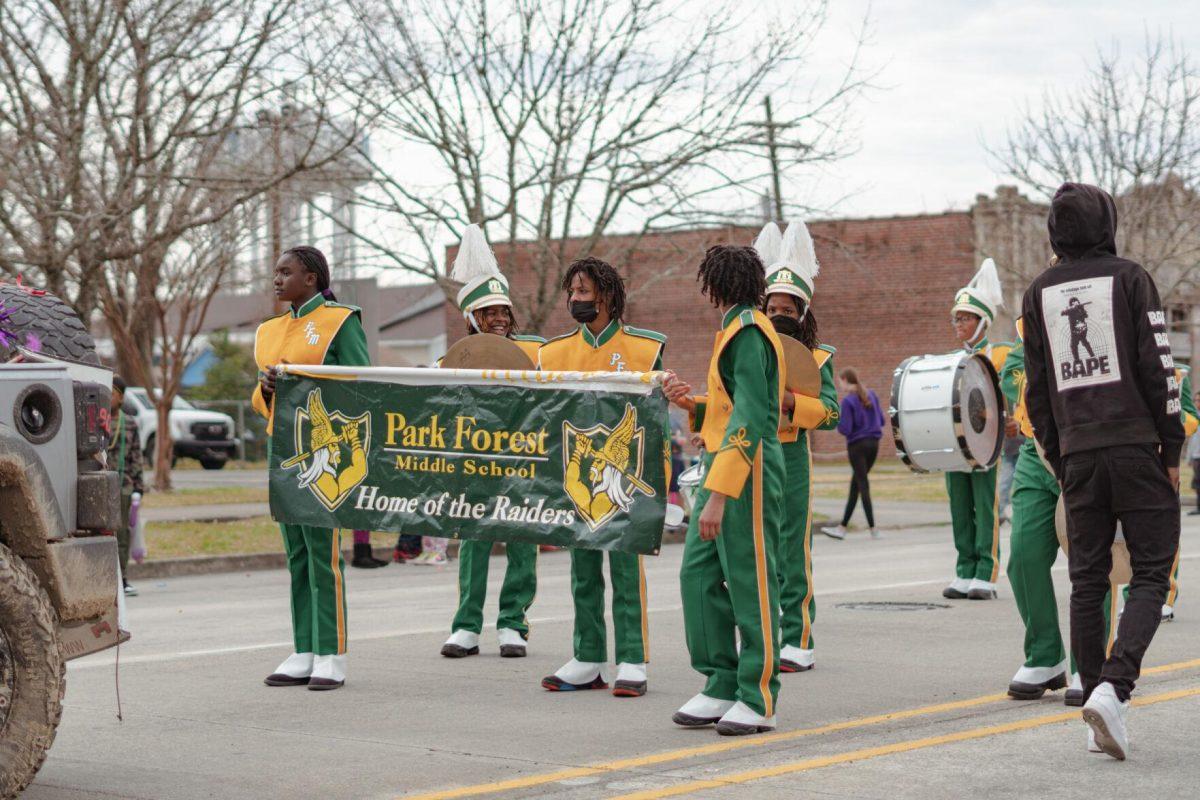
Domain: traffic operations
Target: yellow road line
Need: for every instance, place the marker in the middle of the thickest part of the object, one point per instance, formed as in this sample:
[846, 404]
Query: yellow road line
[727, 745]
[875, 752]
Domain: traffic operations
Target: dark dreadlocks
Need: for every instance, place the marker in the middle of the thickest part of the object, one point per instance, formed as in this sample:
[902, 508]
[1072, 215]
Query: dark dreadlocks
[731, 275]
[802, 330]
[313, 260]
[605, 278]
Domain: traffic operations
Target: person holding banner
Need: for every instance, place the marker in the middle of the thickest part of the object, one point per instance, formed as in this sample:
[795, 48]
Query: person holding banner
[728, 580]
[602, 343]
[973, 496]
[316, 330]
[485, 304]
[791, 272]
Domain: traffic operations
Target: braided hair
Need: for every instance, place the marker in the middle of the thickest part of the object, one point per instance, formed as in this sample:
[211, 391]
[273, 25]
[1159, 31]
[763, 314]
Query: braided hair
[313, 260]
[604, 276]
[732, 275]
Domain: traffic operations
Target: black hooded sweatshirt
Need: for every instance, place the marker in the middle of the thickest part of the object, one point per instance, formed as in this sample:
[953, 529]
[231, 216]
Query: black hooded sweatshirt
[1098, 365]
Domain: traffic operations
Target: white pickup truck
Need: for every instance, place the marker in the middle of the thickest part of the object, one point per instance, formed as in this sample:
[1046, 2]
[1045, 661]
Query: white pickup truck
[207, 436]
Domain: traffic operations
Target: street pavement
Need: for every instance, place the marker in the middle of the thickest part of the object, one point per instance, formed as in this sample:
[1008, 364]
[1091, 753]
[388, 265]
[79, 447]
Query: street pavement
[902, 704]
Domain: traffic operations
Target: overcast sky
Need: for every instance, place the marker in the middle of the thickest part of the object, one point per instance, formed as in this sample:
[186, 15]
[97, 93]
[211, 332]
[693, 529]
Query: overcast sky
[955, 73]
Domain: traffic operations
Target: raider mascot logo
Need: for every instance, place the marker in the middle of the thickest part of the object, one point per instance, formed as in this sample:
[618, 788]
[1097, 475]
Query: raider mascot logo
[614, 468]
[333, 456]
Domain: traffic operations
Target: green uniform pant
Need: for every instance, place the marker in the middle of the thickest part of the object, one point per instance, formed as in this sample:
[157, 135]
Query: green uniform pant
[516, 593]
[314, 557]
[730, 588]
[630, 625]
[976, 528]
[124, 533]
[1033, 550]
[794, 553]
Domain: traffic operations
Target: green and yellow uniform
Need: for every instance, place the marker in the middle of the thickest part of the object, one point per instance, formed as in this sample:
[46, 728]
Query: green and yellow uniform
[973, 505]
[730, 585]
[794, 556]
[318, 332]
[617, 348]
[520, 574]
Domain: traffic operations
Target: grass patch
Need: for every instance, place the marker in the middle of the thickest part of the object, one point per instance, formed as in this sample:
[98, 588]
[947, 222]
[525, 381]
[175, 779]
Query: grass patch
[236, 537]
[203, 497]
[888, 482]
[234, 464]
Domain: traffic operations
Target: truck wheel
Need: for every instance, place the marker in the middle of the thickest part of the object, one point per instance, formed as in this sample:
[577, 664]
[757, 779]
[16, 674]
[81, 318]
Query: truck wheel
[45, 323]
[213, 463]
[32, 675]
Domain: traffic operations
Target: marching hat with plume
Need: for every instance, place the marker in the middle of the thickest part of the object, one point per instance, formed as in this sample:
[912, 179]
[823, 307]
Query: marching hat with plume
[793, 269]
[983, 296]
[476, 269]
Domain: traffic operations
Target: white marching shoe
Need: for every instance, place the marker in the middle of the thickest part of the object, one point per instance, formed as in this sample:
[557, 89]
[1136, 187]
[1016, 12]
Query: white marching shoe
[742, 720]
[795, 659]
[981, 590]
[1074, 694]
[1168, 612]
[576, 675]
[461, 644]
[957, 590]
[512, 643]
[701, 710]
[329, 672]
[1030, 683]
[294, 671]
[1105, 715]
[631, 680]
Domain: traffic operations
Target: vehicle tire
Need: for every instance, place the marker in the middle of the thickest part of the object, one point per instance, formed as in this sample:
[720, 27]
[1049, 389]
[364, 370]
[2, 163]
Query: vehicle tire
[45, 323]
[32, 675]
[213, 463]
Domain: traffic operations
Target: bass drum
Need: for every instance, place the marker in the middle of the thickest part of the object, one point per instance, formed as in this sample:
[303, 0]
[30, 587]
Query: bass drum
[690, 481]
[947, 413]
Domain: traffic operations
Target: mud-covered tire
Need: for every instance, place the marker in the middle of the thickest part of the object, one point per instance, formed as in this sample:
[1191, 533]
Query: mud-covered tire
[33, 664]
[55, 327]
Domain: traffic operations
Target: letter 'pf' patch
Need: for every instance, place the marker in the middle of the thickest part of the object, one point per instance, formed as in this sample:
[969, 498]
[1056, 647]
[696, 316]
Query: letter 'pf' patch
[1079, 329]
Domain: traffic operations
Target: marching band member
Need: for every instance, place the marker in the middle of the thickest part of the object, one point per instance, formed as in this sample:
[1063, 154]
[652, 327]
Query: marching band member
[728, 580]
[791, 270]
[973, 495]
[485, 304]
[602, 343]
[315, 330]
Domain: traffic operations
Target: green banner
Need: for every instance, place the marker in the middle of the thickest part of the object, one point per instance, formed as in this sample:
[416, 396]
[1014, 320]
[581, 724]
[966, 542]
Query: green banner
[567, 459]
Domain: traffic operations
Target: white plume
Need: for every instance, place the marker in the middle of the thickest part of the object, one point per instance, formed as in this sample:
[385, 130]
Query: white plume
[768, 244]
[797, 253]
[474, 258]
[986, 285]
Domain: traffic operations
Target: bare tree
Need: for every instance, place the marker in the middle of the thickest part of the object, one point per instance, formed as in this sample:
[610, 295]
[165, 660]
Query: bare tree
[129, 128]
[560, 122]
[1133, 129]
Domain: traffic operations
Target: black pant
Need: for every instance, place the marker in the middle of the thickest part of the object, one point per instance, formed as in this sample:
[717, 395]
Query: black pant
[1100, 487]
[862, 458]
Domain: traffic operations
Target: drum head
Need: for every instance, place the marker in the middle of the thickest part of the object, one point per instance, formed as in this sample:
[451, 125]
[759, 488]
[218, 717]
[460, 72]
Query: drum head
[803, 375]
[981, 411]
[486, 351]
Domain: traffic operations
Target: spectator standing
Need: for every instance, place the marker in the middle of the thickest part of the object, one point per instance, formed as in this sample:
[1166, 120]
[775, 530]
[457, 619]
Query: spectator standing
[862, 424]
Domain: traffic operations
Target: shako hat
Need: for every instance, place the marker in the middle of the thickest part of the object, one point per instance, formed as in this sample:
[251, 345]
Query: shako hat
[794, 269]
[983, 296]
[476, 269]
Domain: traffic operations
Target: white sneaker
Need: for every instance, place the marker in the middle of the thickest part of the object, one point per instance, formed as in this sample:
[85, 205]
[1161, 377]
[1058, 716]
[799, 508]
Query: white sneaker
[1168, 612]
[957, 590]
[981, 590]
[1105, 714]
[876, 533]
[329, 672]
[701, 710]
[461, 644]
[836, 532]
[1092, 746]
[742, 719]
[795, 659]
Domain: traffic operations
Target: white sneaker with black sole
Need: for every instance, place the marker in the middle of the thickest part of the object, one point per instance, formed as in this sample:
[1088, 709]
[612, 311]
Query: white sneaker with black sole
[1105, 715]
[834, 531]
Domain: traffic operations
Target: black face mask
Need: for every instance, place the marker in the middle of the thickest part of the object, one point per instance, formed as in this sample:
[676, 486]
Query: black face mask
[584, 311]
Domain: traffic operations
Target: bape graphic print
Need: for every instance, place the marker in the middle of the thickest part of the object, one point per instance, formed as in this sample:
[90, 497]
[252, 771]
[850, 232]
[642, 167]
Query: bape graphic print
[1079, 330]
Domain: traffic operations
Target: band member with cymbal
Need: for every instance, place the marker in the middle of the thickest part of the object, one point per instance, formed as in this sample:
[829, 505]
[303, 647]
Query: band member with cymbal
[487, 307]
[973, 496]
[728, 579]
[603, 343]
[791, 272]
[316, 329]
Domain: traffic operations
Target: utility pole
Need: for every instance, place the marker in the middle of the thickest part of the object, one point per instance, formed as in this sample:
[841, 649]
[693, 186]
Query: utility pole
[771, 139]
[773, 155]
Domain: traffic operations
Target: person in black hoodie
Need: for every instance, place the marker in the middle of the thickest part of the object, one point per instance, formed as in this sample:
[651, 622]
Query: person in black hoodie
[1107, 416]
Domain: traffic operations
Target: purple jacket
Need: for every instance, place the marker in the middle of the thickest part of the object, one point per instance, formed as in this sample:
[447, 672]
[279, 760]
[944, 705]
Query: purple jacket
[858, 422]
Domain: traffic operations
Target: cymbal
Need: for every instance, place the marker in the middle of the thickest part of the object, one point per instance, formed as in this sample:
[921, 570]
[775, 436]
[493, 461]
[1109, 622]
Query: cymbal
[486, 351]
[1122, 570]
[803, 374]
